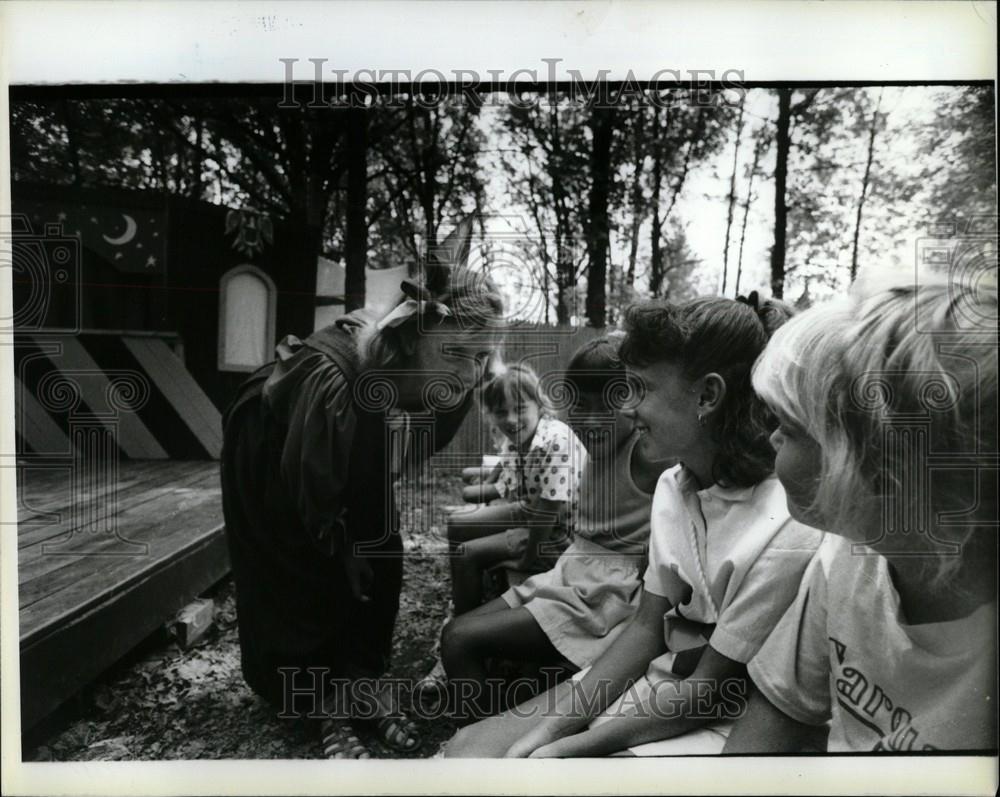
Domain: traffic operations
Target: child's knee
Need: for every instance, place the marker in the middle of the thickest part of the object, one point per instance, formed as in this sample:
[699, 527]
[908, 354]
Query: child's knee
[456, 641]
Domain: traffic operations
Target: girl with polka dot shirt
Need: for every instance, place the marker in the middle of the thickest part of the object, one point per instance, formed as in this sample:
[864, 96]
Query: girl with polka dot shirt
[541, 462]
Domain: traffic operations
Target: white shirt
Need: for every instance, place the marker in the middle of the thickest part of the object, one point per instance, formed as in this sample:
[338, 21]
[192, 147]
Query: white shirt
[844, 653]
[729, 560]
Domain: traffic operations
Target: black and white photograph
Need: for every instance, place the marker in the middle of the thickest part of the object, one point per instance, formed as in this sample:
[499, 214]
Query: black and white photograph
[368, 406]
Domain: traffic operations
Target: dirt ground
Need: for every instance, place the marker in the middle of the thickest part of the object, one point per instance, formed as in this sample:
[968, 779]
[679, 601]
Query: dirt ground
[162, 702]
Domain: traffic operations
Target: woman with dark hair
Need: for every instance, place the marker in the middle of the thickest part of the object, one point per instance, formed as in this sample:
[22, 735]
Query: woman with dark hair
[312, 445]
[725, 557]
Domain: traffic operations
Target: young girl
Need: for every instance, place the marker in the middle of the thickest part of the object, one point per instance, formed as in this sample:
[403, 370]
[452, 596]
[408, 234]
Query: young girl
[577, 609]
[725, 557]
[893, 652]
[541, 461]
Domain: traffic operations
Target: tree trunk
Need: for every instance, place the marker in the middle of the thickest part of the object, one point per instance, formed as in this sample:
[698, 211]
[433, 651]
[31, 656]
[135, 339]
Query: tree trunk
[602, 125]
[783, 139]
[655, 250]
[356, 222]
[732, 198]
[71, 142]
[198, 161]
[637, 209]
[746, 211]
[864, 186]
[564, 222]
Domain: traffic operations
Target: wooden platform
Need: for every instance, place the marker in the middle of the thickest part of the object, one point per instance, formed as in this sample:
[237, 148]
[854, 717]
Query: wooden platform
[103, 560]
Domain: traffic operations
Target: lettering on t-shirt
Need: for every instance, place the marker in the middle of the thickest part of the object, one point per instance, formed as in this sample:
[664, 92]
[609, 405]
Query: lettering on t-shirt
[868, 703]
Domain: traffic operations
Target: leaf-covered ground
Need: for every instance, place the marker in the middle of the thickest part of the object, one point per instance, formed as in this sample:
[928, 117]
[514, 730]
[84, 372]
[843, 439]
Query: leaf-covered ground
[165, 703]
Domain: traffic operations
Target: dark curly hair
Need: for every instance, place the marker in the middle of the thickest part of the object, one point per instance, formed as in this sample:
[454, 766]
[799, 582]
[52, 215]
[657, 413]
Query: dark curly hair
[725, 336]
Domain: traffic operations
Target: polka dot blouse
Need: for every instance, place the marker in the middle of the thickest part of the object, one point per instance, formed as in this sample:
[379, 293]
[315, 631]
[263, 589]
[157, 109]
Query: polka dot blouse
[549, 469]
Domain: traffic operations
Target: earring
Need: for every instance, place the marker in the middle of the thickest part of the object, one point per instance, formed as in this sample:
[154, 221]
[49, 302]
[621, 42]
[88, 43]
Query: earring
[701, 419]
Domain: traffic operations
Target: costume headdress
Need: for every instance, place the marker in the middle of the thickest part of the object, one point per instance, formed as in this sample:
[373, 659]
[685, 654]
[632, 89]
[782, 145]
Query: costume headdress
[444, 276]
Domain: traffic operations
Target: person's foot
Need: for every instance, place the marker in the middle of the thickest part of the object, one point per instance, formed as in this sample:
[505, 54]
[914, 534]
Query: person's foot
[432, 688]
[387, 723]
[398, 733]
[340, 740]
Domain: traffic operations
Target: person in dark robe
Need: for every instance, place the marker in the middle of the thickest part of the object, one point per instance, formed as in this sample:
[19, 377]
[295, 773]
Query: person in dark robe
[312, 445]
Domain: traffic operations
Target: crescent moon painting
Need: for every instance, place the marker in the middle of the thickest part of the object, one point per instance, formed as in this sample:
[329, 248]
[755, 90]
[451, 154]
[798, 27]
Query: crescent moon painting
[125, 237]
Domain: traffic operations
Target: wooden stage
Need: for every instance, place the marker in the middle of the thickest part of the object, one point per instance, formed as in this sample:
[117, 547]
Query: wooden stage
[103, 560]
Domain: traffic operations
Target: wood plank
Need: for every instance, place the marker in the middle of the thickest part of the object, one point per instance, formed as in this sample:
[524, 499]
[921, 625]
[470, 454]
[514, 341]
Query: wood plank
[56, 665]
[36, 425]
[133, 437]
[149, 488]
[88, 552]
[179, 387]
[46, 571]
[130, 476]
[93, 581]
[47, 488]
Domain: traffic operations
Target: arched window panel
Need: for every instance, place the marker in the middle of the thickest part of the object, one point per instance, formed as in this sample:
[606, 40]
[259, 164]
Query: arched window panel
[247, 303]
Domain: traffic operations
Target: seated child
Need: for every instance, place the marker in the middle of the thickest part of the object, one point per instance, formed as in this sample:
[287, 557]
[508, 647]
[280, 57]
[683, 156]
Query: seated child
[725, 558]
[538, 483]
[891, 643]
[576, 609]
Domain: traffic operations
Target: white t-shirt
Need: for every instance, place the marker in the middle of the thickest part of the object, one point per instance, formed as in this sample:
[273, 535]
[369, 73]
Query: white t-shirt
[729, 560]
[880, 683]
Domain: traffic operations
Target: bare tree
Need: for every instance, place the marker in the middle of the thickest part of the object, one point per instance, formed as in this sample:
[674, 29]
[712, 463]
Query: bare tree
[732, 195]
[866, 178]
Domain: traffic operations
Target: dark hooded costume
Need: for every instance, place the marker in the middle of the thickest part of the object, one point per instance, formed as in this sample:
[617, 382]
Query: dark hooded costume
[307, 471]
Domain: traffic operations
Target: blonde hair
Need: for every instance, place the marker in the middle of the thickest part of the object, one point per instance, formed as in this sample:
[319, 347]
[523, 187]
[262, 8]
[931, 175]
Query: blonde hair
[850, 371]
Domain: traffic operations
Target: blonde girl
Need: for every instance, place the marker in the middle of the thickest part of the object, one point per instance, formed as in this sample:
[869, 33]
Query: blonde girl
[541, 462]
[888, 438]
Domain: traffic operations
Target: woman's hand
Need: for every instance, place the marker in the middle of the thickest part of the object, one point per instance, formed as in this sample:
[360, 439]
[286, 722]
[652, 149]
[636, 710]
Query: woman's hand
[539, 737]
[560, 748]
[359, 574]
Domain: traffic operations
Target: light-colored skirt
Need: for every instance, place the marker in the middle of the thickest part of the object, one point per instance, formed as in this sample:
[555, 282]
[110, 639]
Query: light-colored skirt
[582, 603]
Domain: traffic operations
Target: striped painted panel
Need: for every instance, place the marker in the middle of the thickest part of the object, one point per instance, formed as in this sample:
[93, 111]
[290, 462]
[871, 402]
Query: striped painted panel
[35, 425]
[177, 385]
[134, 439]
[174, 419]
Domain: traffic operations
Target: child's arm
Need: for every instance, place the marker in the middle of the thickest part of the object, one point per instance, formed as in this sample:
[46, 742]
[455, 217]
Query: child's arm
[622, 663]
[485, 520]
[673, 707]
[482, 474]
[480, 493]
[468, 524]
[765, 729]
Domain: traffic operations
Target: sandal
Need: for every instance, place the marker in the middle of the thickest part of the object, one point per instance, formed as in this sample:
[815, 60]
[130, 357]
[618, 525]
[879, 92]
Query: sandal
[398, 733]
[340, 741]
